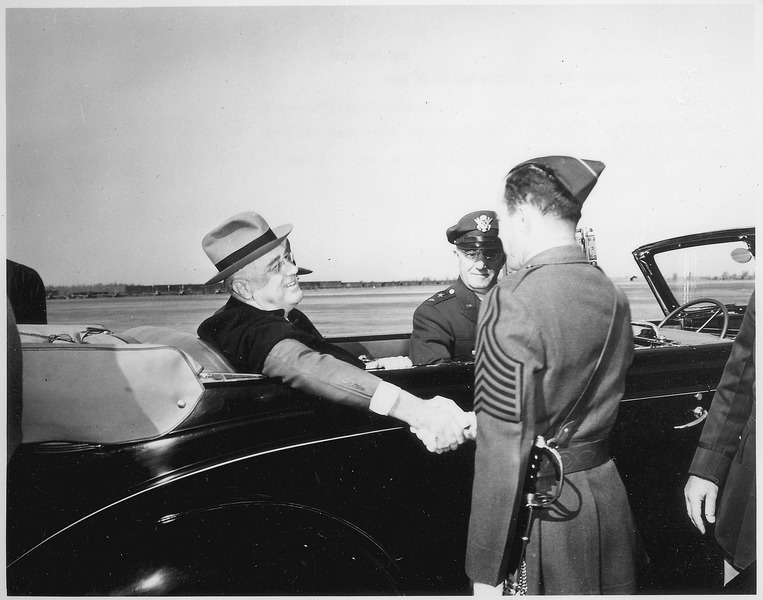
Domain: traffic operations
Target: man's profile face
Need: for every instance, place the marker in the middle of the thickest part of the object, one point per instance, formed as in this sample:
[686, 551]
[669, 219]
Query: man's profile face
[479, 268]
[272, 280]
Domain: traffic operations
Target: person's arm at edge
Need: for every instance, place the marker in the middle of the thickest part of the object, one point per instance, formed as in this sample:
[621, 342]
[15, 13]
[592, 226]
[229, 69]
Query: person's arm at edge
[729, 411]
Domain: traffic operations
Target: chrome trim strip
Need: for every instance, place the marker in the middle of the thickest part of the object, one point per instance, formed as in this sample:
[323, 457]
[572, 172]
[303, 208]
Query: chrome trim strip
[690, 393]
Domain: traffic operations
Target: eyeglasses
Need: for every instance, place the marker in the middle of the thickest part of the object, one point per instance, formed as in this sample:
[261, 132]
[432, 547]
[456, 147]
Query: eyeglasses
[474, 254]
[278, 267]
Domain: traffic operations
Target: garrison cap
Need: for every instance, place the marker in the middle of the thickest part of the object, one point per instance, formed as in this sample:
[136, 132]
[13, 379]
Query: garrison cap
[478, 229]
[576, 175]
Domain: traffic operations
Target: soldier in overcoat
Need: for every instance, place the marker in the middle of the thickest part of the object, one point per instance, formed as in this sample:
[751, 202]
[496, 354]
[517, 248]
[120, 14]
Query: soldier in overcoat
[445, 324]
[722, 474]
[540, 333]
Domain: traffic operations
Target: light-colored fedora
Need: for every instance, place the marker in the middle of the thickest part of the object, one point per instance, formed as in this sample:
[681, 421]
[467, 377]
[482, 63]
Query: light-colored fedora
[239, 240]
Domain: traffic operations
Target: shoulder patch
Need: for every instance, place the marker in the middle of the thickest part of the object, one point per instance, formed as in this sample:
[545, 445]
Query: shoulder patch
[497, 377]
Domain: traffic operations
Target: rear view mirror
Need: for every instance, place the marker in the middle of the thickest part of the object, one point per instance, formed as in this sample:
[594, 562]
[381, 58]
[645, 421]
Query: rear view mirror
[741, 255]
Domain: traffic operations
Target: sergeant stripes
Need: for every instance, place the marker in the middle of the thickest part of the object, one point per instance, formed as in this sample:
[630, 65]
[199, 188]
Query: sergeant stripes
[497, 378]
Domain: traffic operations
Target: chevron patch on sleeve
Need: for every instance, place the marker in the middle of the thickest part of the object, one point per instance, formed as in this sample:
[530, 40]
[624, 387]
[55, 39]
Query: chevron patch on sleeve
[498, 377]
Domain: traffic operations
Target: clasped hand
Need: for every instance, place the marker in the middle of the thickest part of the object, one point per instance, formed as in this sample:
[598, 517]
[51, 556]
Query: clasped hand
[446, 425]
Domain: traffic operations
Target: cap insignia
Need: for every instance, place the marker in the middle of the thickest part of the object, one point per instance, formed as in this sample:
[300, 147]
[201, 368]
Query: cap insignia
[483, 223]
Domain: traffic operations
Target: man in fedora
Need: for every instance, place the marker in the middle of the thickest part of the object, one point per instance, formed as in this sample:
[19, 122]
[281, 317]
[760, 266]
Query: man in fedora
[540, 335]
[260, 330]
[445, 325]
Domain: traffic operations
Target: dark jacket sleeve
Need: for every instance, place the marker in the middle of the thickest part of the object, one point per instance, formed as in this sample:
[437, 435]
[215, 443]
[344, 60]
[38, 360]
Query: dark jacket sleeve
[431, 338]
[731, 407]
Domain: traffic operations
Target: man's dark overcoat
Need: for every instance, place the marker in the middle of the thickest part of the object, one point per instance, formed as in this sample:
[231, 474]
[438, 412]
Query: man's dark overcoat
[246, 335]
[726, 451]
[540, 333]
[445, 326]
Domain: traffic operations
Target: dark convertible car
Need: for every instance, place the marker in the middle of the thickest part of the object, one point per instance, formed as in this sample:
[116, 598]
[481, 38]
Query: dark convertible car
[154, 468]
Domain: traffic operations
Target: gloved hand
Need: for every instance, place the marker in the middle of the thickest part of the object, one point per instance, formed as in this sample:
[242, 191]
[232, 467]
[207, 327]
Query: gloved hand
[389, 362]
[487, 590]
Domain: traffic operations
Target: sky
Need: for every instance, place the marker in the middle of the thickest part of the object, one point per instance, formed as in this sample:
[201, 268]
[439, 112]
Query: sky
[131, 132]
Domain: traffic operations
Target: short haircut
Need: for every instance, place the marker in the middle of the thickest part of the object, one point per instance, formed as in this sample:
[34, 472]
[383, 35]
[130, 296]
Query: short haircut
[532, 184]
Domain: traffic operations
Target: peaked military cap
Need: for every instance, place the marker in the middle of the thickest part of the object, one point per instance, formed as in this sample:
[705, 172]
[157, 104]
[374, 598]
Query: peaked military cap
[578, 176]
[477, 229]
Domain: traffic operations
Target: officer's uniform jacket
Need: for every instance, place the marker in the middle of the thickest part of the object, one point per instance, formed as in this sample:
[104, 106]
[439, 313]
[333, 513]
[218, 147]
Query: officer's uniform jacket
[540, 333]
[726, 451]
[445, 326]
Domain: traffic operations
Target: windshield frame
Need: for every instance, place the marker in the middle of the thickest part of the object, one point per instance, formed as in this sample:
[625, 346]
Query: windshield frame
[645, 257]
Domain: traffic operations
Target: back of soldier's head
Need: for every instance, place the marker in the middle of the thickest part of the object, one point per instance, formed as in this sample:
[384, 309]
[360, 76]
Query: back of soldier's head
[555, 185]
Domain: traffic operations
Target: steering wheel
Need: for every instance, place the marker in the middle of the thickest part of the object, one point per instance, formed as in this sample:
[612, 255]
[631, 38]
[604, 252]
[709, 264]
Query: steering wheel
[686, 305]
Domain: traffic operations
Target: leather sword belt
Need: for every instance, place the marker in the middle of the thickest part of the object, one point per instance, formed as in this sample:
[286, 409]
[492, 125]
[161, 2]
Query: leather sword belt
[579, 457]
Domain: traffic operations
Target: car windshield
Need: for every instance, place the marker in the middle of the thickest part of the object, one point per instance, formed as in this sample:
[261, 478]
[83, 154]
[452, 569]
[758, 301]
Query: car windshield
[724, 271]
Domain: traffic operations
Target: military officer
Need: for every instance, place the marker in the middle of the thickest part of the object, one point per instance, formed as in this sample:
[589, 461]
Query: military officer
[540, 333]
[445, 325]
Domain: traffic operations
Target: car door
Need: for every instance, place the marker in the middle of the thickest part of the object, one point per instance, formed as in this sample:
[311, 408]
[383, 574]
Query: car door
[668, 392]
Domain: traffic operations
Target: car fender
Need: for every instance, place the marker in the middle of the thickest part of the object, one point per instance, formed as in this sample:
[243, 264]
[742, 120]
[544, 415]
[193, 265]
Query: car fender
[239, 548]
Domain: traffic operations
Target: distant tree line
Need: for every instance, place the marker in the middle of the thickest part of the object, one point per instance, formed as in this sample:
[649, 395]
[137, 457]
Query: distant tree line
[725, 276]
[103, 290]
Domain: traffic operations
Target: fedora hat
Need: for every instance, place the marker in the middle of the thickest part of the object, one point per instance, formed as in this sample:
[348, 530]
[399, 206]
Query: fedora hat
[239, 240]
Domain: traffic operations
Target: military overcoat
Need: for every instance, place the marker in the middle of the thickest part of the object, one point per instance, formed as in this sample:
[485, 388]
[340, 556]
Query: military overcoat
[540, 333]
[445, 326]
[726, 451]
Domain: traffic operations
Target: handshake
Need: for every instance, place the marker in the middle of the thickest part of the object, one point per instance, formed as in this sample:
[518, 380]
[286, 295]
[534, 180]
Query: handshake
[444, 425]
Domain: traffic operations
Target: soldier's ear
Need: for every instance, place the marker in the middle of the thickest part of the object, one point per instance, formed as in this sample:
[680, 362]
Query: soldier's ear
[524, 216]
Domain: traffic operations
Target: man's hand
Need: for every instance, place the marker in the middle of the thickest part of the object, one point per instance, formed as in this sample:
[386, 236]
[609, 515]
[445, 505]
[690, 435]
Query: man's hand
[697, 492]
[444, 425]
